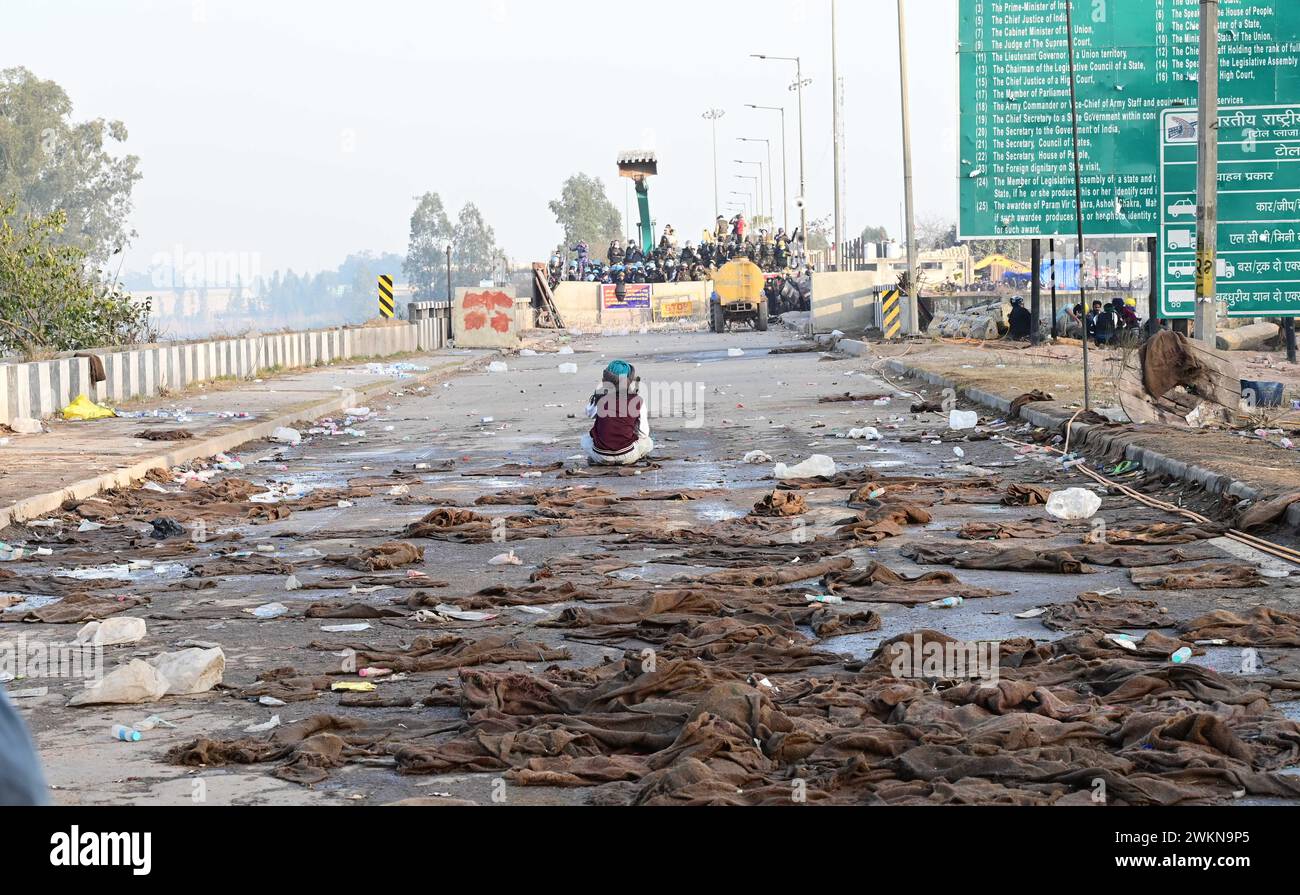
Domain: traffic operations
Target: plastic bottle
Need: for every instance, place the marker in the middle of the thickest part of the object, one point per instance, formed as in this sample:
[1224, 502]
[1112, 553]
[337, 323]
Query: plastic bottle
[949, 603]
[1182, 657]
[126, 734]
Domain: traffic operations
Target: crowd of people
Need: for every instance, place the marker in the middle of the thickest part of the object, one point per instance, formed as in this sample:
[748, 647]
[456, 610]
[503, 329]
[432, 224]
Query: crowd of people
[673, 261]
[1108, 324]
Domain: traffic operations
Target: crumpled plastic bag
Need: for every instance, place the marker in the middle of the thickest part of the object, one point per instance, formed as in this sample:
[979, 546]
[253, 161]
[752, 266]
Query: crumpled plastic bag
[84, 409]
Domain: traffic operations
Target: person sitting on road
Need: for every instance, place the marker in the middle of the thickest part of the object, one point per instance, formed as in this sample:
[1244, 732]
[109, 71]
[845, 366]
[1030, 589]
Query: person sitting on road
[621, 436]
[1022, 322]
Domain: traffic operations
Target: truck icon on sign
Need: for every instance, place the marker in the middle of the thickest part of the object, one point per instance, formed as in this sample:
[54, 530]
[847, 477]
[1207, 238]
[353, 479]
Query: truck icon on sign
[1180, 239]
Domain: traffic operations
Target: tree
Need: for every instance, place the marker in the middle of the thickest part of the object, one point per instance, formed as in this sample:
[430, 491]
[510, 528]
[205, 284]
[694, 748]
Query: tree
[49, 300]
[53, 164]
[585, 213]
[935, 233]
[875, 234]
[426, 253]
[474, 247]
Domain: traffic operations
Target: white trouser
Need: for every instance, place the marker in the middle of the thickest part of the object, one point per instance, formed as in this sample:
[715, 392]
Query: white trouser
[635, 454]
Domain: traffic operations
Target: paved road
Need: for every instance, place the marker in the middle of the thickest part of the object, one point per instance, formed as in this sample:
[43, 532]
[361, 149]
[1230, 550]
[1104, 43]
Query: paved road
[718, 408]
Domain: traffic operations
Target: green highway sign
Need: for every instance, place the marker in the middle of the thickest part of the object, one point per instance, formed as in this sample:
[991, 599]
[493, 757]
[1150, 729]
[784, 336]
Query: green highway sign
[1258, 263]
[1134, 59]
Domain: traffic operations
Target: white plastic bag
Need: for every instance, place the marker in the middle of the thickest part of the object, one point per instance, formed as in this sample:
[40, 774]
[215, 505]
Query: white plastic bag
[113, 631]
[134, 683]
[285, 435]
[960, 420]
[817, 466]
[1073, 505]
[192, 671]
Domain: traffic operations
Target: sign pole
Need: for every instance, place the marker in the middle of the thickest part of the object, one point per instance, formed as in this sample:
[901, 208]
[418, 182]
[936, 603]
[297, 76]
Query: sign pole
[1153, 300]
[913, 310]
[1207, 211]
[1056, 330]
[1078, 202]
[1036, 294]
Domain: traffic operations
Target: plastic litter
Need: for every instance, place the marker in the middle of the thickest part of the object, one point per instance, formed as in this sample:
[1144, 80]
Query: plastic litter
[506, 559]
[264, 728]
[25, 425]
[285, 435]
[165, 529]
[113, 632]
[816, 466]
[270, 611]
[961, 420]
[190, 672]
[569, 368]
[498, 367]
[83, 409]
[459, 615]
[758, 458]
[345, 629]
[1073, 505]
[292, 583]
[867, 434]
[828, 601]
[133, 683]
[1182, 657]
[125, 734]
[353, 687]
[949, 603]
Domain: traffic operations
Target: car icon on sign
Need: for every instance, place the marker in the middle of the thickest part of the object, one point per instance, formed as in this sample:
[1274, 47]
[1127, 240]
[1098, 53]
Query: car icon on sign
[1183, 208]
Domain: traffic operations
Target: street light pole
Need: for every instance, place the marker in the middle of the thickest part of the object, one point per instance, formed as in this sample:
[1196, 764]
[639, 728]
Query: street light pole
[713, 115]
[785, 173]
[797, 87]
[1207, 212]
[758, 181]
[771, 193]
[836, 124]
[913, 303]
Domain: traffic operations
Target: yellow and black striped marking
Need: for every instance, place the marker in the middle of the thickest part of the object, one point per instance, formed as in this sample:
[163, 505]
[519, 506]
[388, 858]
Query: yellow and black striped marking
[387, 307]
[893, 314]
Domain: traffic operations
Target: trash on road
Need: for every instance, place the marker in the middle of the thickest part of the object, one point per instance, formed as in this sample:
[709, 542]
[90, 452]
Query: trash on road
[1073, 505]
[817, 466]
[83, 409]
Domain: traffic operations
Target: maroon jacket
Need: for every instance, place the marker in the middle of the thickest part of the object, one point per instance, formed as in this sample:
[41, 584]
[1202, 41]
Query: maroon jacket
[618, 423]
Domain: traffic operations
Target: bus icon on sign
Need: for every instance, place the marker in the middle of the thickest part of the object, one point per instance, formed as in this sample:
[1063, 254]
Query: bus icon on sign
[1180, 297]
[1180, 269]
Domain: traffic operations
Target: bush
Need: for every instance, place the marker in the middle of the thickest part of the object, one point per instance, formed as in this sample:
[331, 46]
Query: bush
[50, 301]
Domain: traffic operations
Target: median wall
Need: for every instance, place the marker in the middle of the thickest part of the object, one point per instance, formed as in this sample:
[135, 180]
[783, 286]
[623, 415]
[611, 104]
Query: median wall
[848, 301]
[43, 388]
[582, 304]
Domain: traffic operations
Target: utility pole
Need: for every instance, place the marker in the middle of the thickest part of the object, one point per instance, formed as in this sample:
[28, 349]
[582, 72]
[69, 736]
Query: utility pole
[797, 87]
[1078, 202]
[913, 304]
[785, 165]
[836, 124]
[713, 115]
[1207, 210]
[758, 184]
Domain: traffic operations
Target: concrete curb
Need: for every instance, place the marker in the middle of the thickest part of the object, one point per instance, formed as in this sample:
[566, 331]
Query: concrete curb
[1150, 460]
[41, 504]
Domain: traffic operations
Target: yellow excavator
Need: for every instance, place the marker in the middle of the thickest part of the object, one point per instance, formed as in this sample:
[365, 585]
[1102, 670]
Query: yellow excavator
[738, 296]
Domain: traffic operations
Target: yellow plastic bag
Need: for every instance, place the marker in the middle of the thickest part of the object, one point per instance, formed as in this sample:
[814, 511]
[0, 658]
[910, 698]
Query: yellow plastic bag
[353, 687]
[85, 409]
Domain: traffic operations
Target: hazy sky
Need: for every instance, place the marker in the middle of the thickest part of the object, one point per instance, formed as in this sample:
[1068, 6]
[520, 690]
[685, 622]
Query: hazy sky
[302, 131]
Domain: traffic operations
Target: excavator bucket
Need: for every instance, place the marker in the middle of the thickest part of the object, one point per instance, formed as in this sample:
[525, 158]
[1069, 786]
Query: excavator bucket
[638, 165]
